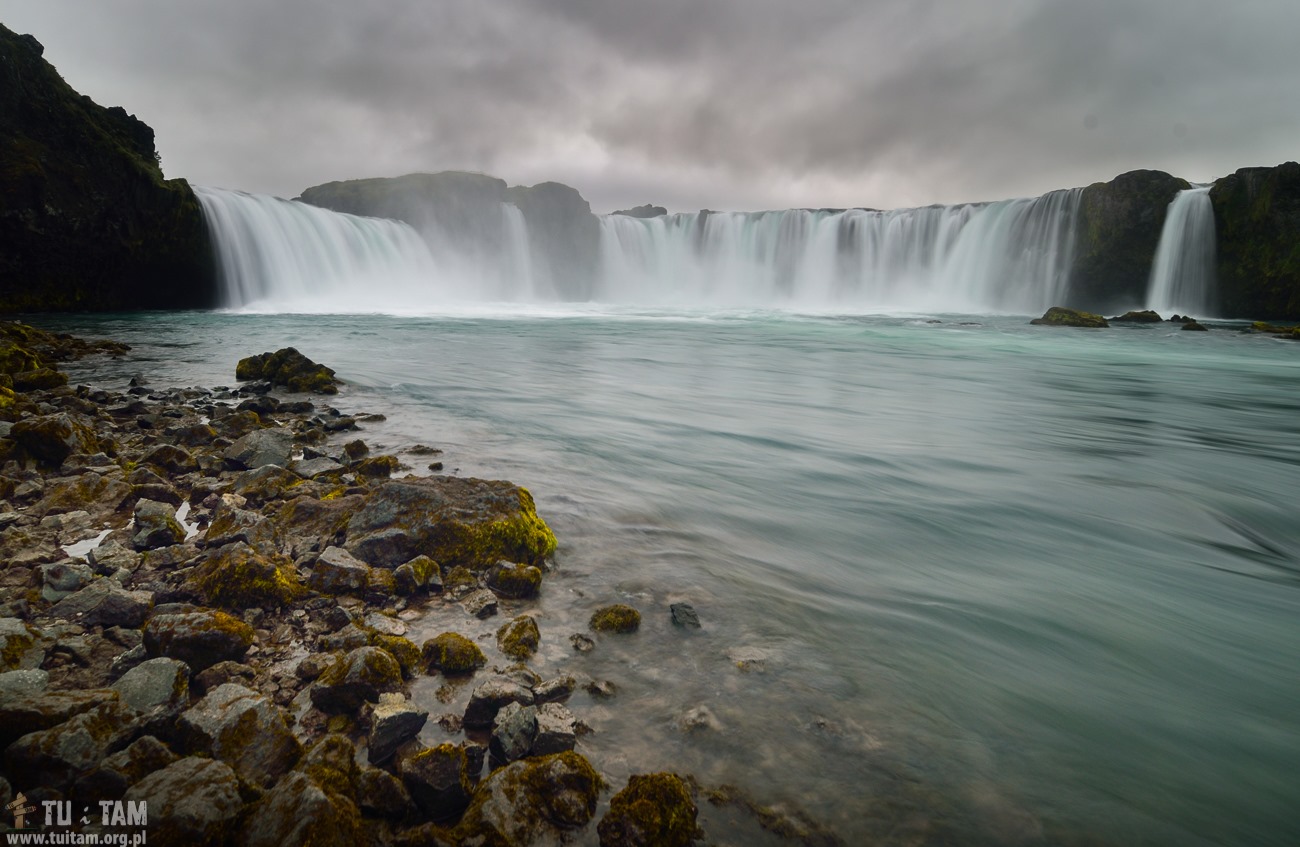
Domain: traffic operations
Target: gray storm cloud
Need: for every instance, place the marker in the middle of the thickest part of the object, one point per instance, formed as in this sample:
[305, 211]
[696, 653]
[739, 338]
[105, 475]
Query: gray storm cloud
[727, 104]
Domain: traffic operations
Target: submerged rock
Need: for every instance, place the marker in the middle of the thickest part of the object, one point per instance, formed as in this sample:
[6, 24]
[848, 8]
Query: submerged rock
[1060, 316]
[683, 615]
[452, 653]
[616, 618]
[289, 368]
[532, 801]
[1145, 316]
[654, 810]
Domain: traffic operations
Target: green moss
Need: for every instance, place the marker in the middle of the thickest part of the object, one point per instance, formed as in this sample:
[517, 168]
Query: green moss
[654, 810]
[15, 647]
[522, 538]
[516, 581]
[546, 794]
[380, 467]
[616, 618]
[381, 585]
[403, 650]
[518, 639]
[241, 578]
[289, 368]
[452, 653]
[1060, 316]
[459, 579]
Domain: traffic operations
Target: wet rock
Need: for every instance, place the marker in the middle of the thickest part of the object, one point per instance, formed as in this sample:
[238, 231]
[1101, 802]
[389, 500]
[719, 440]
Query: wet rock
[117, 773]
[22, 712]
[289, 368]
[18, 684]
[459, 582]
[338, 572]
[313, 665]
[265, 484]
[452, 520]
[52, 438]
[452, 653]
[243, 729]
[482, 604]
[393, 722]
[272, 446]
[554, 690]
[683, 615]
[489, 698]
[192, 801]
[298, 811]
[239, 577]
[231, 524]
[54, 757]
[156, 525]
[157, 683]
[41, 379]
[170, 458]
[224, 672]
[436, 780]
[312, 468]
[105, 603]
[403, 650]
[381, 794]
[419, 574]
[556, 730]
[616, 618]
[199, 639]
[518, 639]
[355, 450]
[514, 581]
[1194, 326]
[654, 810]
[1060, 316]
[699, 718]
[1145, 316]
[532, 801]
[601, 689]
[348, 638]
[99, 495]
[513, 731]
[359, 677]
[59, 579]
[130, 659]
[582, 643]
[111, 557]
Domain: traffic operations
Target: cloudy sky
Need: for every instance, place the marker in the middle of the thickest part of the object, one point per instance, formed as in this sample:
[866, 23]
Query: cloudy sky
[725, 104]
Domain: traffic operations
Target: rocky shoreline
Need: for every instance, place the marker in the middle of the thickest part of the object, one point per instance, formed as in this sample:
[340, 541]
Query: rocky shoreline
[204, 602]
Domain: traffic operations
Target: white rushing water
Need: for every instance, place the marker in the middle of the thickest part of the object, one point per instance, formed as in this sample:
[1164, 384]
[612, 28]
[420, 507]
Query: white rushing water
[1008, 256]
[1183, 278]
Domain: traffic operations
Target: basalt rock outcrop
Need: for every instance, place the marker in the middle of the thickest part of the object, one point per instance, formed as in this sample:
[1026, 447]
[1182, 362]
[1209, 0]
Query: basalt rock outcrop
[1257, 226]
[87, 220]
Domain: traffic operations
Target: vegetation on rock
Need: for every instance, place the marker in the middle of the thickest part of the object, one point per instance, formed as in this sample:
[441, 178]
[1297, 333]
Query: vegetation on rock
[616, 618]
[1060, 316]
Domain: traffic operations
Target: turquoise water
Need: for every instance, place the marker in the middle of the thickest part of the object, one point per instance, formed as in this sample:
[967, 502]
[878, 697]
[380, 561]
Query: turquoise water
[984, 583]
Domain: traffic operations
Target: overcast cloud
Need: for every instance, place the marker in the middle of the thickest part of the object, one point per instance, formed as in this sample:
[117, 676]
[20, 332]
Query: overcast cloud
[725, 104]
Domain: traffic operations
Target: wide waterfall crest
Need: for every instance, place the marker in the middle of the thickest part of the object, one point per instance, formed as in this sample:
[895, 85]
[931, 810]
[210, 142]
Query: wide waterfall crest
[1183, 275]
[283, 255]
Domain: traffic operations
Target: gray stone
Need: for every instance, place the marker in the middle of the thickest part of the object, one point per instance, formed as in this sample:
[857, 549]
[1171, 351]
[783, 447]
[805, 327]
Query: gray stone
[513, 731]
[105, 603]
[125, 661]
[192, 801]
[156, 525]
[53, 757]
[554, 690]
[261, 447]
[123, 769]
[299, 811]
[60, 579]
[419, 574]
[385, 624]
[482, 603]
[392, 723]
[381, 794]
[435, 778]
[243, 729]
[21, 647]
[314, 467]
[156, 683]
[683, 615]
[359, 677]
[556, 730]
[23, 683]
[339, 572]
[490, 696]
[199, 639]
[231, 524]
[111, 557]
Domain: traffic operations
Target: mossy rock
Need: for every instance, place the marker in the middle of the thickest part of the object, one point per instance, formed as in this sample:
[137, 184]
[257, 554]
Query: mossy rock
[403, 650]
[40, 379]
[1146, 316]
[518, 639]
[452, 653]
[356, 678]
[616, 618]
[1060, 316]
[459, 580]
[419, 574]
[514, 581]
[237, 577]
[377, 467]
[654, 810]
[536, 800]
[289, 368]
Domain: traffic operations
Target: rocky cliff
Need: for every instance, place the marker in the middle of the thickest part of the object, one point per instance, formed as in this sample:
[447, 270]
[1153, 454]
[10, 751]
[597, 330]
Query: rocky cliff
[1257, 225]
[87, 221]
[1118, 231]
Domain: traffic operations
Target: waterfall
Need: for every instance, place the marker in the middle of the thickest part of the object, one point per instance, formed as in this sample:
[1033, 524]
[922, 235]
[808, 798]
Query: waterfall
[279, 254]
[1183, 277]
[1012, 255]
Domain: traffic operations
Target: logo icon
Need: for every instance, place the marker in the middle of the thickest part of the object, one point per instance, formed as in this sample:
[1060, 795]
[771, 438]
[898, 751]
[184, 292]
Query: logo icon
[20, 811]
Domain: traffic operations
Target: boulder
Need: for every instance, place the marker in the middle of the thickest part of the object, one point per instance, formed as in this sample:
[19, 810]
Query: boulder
[452, 653]
[160, 683]
[243, 729]
[156, 526]
[239, 577]
[113, 776]
[557, 730]
[393, 722]
[99, 495]
[54, 757]
[338, 572]
[616, 618]
[19, 684]
[452, 520]
[1146, 316]
[232, 524]
[684, 616]
[25, 711]
[1060, 316]
[381, 794]
[110, 557]
[653, 810]
[490, 697]
[59, 579]
[513, 731]
[265, 484]
[419, 574]
[514, 581]
[19, 648]
[554, 690]
[356, 678]
[105, 603]
[437, 780]
[199, 639]
[192, 801]
[298, 811]
[482, 604]
[52, 438]
[271, 446]
[170, 458]
[41, 379]
[518, 639]
[289, 368]
[532, 801]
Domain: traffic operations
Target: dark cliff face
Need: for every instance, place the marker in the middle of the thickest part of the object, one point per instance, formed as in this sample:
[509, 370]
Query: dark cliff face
[465, 212]
[87, 221]
[1257, 226]
[1119, 230]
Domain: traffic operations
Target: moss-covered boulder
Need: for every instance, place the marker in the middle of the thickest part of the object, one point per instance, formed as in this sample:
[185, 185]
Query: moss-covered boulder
[1257, 235]
[518, 639]
[315, 804]
[1145, 316]
[155, 525]
[192, 801]
[356, 678]
[419, 574]
[238, 577]
[52, 438]
[1060, 316]
[54, 757]
[514, 581]
[616, 618]
[654, 810]
[532, 801]
[452, 520]
[1116, 237]
[452, 653]
[88, 221]
[199, 639]
[243, 729]
[289, 368]
[438, 780]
